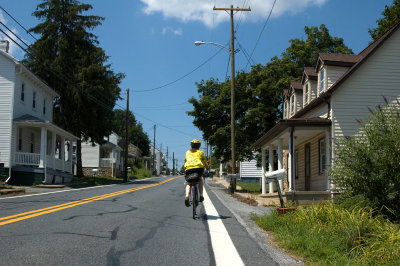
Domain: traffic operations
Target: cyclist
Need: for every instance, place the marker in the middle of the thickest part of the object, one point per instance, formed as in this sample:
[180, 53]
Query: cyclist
[194, 163]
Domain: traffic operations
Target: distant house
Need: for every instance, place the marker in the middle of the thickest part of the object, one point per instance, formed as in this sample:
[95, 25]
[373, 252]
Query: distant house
[105, 159]
[33, 150]
[324, 106]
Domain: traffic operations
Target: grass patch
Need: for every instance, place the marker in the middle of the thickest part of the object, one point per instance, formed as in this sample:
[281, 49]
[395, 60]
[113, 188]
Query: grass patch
[89, 181]
[139, 173]
[253, 188]
[331, 234]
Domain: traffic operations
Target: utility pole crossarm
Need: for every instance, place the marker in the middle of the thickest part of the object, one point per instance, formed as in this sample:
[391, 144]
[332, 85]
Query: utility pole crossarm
[230, 8]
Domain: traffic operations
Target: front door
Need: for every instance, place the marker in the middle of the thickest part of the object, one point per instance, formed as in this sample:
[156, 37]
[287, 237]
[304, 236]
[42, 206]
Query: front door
[307, 167]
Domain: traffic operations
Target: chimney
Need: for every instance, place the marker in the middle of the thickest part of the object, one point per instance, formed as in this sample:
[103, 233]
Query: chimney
[4, 45]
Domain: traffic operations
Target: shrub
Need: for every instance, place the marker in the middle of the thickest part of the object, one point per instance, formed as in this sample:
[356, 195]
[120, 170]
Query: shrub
[368, 164]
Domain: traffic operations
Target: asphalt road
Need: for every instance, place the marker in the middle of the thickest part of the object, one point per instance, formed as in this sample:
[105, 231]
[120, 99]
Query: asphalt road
[137, 223]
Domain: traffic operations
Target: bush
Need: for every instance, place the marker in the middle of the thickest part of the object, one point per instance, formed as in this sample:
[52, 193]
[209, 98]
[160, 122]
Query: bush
[368, 164]
[139, 172]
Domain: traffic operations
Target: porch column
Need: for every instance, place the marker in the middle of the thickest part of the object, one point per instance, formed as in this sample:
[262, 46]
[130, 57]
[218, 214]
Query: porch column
[43, 147]
[327, 156]
[62, 151]
[263, 171]
[53, 148]
[220, 170]
[280, 161]
[70, 156]
[291, 161]
[271, 167]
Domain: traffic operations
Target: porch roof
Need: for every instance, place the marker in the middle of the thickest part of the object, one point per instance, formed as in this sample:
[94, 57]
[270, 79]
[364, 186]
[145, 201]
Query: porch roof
[284, 124]
[32, 121]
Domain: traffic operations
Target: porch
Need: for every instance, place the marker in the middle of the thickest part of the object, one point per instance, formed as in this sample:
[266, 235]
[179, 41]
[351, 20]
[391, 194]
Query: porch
[41, 149]
[302, 148]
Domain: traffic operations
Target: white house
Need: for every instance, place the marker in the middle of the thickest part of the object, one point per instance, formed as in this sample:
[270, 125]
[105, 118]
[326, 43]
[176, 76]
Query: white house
[325, 106]
[105, 158]
[32, 149]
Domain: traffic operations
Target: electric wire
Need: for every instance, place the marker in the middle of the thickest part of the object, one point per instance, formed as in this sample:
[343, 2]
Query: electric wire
[182, 77]
[262, 30]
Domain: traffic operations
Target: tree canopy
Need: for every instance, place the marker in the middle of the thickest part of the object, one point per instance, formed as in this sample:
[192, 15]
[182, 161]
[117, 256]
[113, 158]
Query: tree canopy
[391, 16]
[136, 136]
[68, 58]
[258, 94]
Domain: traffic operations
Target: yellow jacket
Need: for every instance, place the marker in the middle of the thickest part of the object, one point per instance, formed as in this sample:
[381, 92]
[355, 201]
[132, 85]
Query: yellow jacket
[194, 159]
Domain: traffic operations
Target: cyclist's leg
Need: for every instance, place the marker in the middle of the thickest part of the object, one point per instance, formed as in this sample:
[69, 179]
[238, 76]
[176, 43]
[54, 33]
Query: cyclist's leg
[187, 190]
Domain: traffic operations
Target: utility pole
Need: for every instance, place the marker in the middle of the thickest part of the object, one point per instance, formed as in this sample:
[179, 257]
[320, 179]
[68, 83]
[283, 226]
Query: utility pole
[126, 137]
[167, 160]
[173, 163]
[154, 148]
[232, 50]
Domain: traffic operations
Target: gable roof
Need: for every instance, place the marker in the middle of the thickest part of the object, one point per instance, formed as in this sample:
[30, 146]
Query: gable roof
[310, 73]
[337, 60]
[362, 57]
[29, 73]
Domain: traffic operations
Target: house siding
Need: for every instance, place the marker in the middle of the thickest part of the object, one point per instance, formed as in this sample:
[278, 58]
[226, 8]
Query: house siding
[320, 111]
[7, 78]
[378, 76]
[90, 155]
[334, 73]
[25, 107]
[298, 101]
[317, 181]
[250, 169]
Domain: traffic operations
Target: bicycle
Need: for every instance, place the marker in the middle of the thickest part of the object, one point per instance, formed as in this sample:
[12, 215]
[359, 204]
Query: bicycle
[194, 194]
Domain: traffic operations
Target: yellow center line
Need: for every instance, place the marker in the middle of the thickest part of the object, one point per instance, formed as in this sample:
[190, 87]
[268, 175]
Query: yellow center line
[35, 213]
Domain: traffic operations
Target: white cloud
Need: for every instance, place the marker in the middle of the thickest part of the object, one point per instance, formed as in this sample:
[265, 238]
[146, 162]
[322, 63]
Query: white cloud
[202, 11]
[173, 31]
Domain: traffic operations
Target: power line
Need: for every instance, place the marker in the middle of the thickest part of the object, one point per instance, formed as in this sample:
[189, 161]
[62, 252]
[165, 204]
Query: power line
[18, 22]
[182, 77]
[262, 30]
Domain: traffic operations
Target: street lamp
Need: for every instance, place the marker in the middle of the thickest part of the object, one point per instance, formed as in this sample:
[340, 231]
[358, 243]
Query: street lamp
[232, 51]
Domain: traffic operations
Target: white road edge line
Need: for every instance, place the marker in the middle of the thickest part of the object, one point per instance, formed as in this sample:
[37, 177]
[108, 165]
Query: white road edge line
[225, 252]
[77, 189]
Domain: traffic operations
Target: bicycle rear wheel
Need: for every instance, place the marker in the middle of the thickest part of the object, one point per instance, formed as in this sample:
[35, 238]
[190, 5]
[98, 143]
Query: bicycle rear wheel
[194, 200]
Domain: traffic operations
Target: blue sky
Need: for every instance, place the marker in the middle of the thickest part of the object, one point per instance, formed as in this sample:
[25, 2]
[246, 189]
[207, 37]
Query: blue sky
[152, 42]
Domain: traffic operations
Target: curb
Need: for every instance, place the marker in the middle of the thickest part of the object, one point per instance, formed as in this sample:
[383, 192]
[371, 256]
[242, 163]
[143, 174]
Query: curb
[11, 191]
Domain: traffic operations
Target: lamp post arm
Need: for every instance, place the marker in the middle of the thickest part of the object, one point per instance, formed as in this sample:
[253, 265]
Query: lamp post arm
[198, 43]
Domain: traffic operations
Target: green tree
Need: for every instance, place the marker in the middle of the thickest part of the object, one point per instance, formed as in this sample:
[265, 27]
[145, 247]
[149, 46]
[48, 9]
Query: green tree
[68, 58]
[367, 164]
[258, 94]
[391, 16]
[136, 134]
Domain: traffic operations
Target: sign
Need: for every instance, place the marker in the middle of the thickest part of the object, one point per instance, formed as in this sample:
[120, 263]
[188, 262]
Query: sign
[208, 162]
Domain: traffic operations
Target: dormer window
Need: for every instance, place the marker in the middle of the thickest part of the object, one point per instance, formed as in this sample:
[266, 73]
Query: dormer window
[306, 93]
[34, 100]
[44, 106]
[322, 80]
[292, 104]
[22, 92]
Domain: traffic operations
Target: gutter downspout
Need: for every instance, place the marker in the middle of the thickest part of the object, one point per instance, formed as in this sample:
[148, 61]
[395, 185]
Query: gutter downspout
[292, 162]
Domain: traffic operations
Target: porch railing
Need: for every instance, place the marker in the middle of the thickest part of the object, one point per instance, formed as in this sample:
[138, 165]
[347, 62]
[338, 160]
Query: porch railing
[26, 158]
[106, 162]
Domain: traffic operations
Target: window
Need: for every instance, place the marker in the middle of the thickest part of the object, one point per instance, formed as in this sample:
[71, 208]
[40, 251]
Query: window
[322, 80]
[306, 94]
[44, 106]
[292, 104]
[23, 92]
[32, 142]
[322, 156]
[20, 139]
[34, 100]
